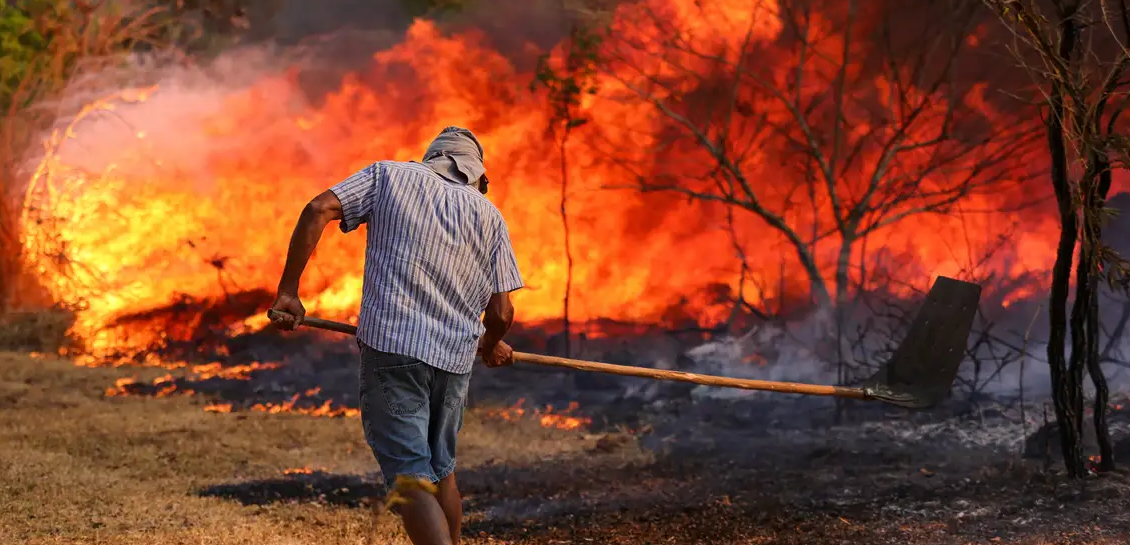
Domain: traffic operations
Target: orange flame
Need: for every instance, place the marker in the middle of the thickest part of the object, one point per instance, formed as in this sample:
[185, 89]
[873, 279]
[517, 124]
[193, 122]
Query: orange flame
[200, 198]
[120, 387]
[546, 417]
[303, 470]
[326, 409]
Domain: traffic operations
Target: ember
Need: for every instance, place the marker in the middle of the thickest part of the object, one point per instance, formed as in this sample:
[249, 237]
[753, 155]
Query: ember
[546, 417]
[303, 470]
[291, 406]
[120, 387]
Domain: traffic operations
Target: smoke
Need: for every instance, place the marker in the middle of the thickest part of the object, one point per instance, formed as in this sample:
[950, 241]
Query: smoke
[303, 46]
[519, 29]
[1007, 346]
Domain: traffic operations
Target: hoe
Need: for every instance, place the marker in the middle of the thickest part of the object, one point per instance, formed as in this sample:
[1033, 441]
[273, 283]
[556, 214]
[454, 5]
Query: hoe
[919, 374]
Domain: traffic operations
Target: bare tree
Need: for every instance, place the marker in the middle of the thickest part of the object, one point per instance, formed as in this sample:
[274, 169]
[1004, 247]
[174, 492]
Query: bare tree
[1078, 57]
[567, 79]
[849, 120]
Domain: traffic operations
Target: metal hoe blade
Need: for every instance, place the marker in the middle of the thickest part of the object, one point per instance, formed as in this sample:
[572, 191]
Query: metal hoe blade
[921, 371]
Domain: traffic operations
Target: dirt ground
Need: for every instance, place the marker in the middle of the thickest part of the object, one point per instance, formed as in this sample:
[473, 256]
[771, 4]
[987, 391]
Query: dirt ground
[79, 467]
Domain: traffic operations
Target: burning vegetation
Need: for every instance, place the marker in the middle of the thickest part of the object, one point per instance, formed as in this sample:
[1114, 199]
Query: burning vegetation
[705, 137]
[546, 417]
[178, 169]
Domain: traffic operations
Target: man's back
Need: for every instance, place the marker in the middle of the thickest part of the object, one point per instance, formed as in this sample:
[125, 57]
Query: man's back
[436, 252]
[438, 257]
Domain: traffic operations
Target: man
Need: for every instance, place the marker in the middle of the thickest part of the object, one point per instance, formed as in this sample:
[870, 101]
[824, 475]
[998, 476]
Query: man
[438, 257]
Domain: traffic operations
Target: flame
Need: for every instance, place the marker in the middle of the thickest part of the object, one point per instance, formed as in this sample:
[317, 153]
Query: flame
[164, 386]
[546, 417]
[120, 387]
[196, 194]
[326, 409]
[307, 470]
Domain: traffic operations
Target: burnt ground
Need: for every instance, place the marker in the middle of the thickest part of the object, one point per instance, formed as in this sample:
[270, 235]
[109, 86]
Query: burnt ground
[757, 468]
[721, 472]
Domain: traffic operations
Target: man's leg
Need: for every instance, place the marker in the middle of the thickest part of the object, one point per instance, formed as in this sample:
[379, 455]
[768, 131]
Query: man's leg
[452, 504]
[395, 412]
[423, 518]
[449, 397]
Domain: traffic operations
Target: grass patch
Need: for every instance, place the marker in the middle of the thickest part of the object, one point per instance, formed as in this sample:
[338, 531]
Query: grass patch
[76, 467]
[36, 330]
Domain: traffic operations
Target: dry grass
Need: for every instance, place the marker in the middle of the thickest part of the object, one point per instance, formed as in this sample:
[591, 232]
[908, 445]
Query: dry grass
[80, 468]
[36, 331]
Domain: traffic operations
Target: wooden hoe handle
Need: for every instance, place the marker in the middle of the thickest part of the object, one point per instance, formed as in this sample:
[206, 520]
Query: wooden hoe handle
[631, 371]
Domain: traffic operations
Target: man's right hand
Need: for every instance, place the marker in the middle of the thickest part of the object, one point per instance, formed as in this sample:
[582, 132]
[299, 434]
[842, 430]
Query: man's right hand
[500, 355]
[289, 304]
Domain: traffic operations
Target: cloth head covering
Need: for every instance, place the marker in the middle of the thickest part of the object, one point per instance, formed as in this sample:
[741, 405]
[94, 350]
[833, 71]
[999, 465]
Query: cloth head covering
[456, 155]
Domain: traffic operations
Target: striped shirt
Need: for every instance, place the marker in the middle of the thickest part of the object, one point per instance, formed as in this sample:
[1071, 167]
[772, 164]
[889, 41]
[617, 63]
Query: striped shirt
[436, 252]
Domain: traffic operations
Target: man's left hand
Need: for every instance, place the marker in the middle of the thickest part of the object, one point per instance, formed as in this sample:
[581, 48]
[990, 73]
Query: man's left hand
[500, 355]
[291, 306]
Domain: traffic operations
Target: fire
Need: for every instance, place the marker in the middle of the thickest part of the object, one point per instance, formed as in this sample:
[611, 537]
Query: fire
[195, 191]
[546, 417]
[120, 387]
[307, 470]
[326, 409]
[165, 385]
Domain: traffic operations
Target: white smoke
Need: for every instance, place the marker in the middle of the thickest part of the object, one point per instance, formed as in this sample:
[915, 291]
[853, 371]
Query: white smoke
[786, 352]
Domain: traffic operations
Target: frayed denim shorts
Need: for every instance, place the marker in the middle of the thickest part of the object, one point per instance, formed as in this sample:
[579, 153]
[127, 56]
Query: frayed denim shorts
[412, 413]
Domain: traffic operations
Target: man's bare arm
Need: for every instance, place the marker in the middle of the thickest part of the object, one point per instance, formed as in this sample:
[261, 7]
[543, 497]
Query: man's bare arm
[497, 319]
[318, 213]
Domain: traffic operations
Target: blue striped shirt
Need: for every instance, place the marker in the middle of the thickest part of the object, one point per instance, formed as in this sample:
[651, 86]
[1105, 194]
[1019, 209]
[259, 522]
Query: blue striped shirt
[435, 254]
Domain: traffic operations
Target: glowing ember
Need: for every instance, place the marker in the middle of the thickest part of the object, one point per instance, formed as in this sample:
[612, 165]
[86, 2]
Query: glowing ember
[303, 470]
[546, 417]
[165, 386]
[326, 409]
[233, 372]
[120, 387]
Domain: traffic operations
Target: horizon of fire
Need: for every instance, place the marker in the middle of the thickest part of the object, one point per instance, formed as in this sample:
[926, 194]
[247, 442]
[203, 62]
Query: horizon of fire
[193, 189]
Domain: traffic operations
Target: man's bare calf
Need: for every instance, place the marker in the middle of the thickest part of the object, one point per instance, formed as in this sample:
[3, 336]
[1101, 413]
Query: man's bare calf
[424, 519]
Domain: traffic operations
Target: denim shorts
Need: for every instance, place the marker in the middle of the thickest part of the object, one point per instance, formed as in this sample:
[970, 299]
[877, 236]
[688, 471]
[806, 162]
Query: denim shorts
[412, 413]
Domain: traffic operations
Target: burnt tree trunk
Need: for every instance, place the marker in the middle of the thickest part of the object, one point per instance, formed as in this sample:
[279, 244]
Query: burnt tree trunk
[1080, 333]
[1092, 226]
[1067, 392]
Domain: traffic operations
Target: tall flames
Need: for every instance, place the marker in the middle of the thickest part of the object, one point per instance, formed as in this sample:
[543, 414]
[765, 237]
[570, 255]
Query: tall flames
[190, 189]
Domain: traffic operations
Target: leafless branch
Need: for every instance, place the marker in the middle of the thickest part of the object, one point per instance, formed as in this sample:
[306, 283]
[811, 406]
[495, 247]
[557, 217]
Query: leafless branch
[869, 148]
